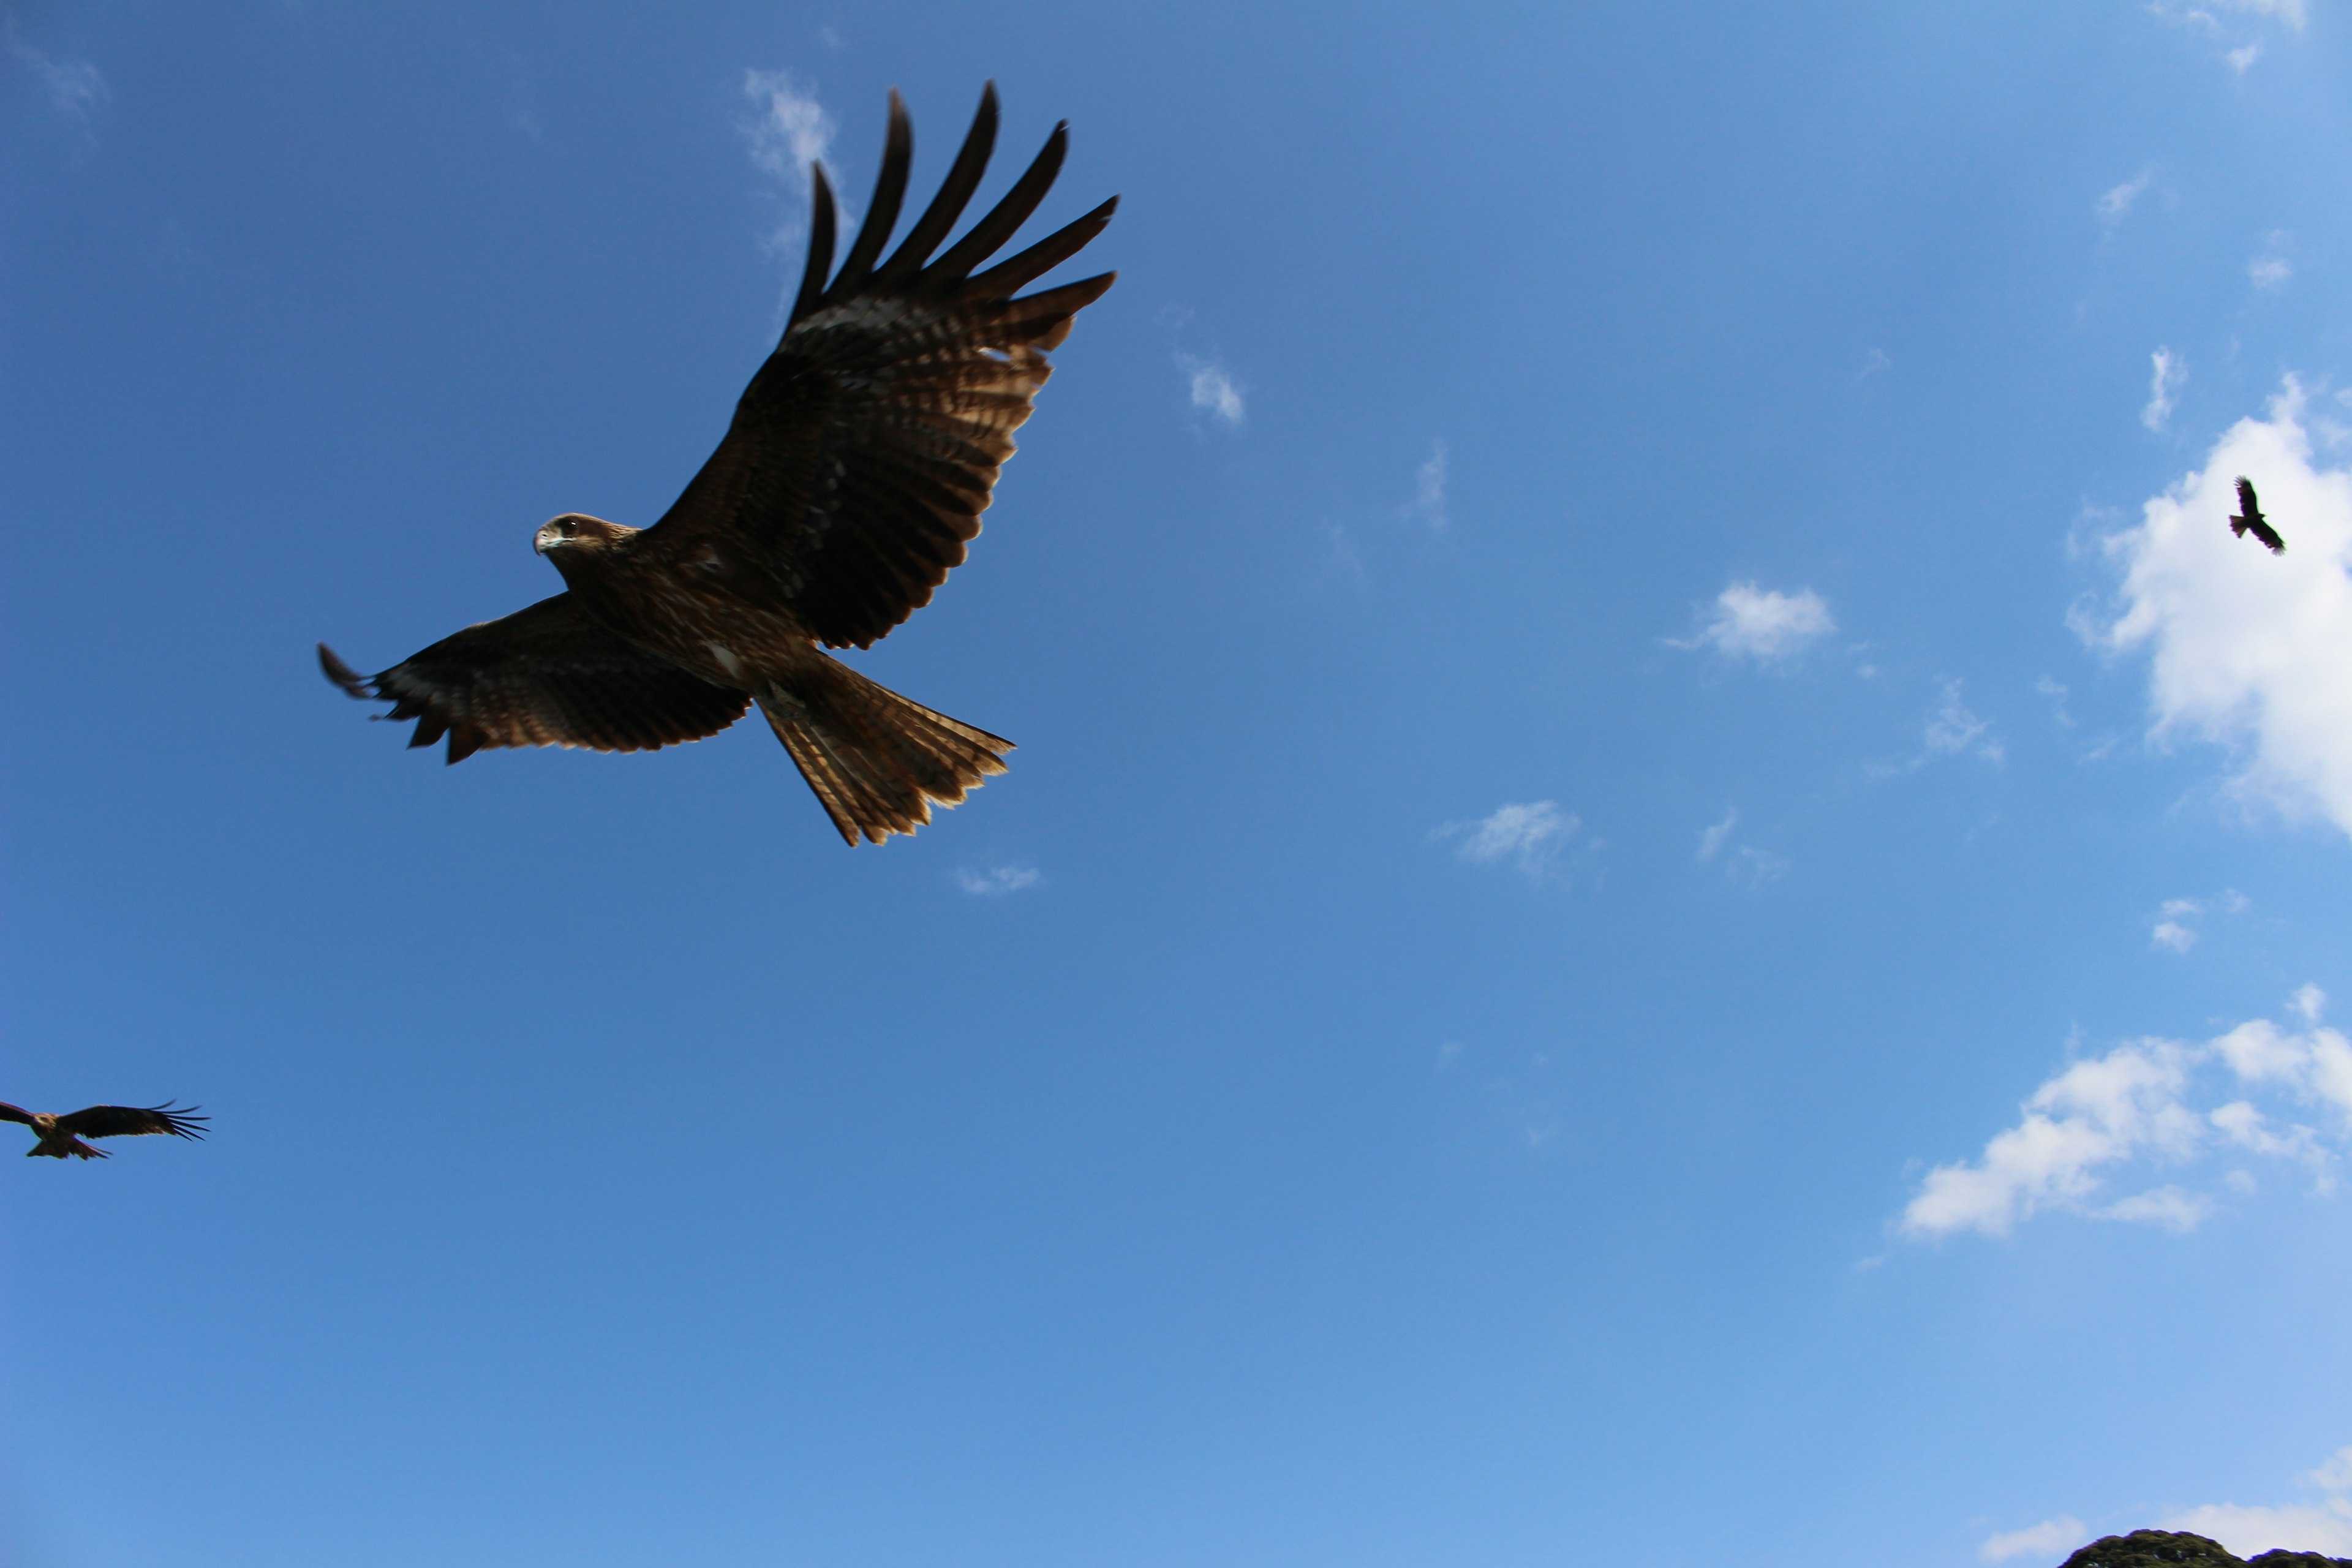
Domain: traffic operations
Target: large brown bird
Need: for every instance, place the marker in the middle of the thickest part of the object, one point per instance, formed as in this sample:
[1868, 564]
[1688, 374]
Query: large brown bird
[61, 1136]
[855, 470]
[2250, 518]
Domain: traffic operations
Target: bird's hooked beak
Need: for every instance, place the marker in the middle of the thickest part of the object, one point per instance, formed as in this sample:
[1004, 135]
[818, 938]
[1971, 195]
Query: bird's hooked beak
[546, 538]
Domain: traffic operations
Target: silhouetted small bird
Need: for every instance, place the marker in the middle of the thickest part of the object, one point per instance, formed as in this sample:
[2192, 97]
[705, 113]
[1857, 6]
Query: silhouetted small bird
[2250, 518]
[61, 1136]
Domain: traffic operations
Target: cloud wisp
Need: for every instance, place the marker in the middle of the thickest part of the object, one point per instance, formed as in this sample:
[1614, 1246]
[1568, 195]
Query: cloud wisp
[1214, 391]
[788, 131]
[2136, 1109]
[1530, 835]
[2116, 202]
[995, 882]
[75, 89]
[2169, 372]
[2051, 1537]
[1746, 864]
[1763, 624]
[2246, 650]
[1429, 490]
[2325, 1527]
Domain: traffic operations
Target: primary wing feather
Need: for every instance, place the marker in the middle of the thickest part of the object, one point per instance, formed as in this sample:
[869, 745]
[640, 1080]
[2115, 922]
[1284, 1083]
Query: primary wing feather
[546, 675]
[133, 1121]
[866, 448]
[15, 1113]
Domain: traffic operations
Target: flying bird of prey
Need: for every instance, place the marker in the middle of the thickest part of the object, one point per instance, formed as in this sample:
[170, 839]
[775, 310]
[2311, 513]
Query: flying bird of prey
[2250, 518]
[61, 1136]
[849, 483]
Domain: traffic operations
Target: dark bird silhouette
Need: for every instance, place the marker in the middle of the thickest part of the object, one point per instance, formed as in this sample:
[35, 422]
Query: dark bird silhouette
[851, 481]
[2250, 518]
[61, 1136]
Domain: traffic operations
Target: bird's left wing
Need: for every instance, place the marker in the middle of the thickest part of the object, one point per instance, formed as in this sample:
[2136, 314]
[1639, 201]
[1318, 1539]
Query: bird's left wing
[864, 451]
[133, 1121]
[547, 676]
[15, 1113]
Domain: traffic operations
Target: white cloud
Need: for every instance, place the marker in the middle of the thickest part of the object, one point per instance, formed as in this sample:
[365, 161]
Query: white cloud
[2325, 1527]
[1877, 362]
[1531, 834]
[1755, 867]
[2249, 650]
[2133, 1105]
[2290, 11]
[75, 90]
[1711, 839]
[2095, 1113]
[2170, 372]
[2048, 1539]
[1954, 728]
[2170, 931]
[1764, 624]
[791, 131]
[2271, 270]
[1429, 489]
[996, 880]
[2244, 56]
[1213, 391]
[2116, 202]
[2248, 1530]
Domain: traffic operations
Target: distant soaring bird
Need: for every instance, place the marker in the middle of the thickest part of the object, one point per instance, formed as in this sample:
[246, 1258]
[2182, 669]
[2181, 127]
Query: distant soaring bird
[61, 1136]
[2249, 519]
[855, 470]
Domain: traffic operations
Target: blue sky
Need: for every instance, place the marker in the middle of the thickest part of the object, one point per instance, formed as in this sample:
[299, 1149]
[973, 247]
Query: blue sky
[1668, 891]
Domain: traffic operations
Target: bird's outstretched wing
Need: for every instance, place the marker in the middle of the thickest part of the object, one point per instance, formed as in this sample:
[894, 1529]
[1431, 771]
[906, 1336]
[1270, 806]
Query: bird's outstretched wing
[547, 676]
[15, 1113]
[2250, 518]
[864, 451]
[133, 1121]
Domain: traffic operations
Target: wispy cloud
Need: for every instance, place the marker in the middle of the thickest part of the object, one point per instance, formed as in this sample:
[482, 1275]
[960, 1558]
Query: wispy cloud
[1529, 836]
[2271, 270]
[2049, 1539]
[2137, 1108]
[1711, 840]
[2116, 202]
[995, 882]
[1429, 489]
[2325, 1527]
[788, 131]
[2169, 372]
[1873, 362]
[1746, 864]
[1954, 728]
[1214, 391]
[1761, 624]
[2171, 933]
[2247, 650]
[789, 128]
[2243, 56]
[75, 89]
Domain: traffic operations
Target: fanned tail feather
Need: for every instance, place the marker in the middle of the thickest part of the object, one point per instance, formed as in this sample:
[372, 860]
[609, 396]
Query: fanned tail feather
[876, 760]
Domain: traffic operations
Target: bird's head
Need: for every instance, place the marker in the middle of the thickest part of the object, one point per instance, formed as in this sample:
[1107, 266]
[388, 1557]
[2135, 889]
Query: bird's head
[576, 535]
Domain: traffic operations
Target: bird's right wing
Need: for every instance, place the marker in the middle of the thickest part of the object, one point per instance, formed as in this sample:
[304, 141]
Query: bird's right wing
[15, 1113]
[547, 676]
[864, 451]
[133, 1121]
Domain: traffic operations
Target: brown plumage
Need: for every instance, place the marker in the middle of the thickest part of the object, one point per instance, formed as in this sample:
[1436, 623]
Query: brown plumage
[851, 481]
[61, 1136]
[2250, 518]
